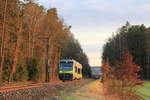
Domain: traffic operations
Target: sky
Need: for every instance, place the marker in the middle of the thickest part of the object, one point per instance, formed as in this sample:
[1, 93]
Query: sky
[94, 21]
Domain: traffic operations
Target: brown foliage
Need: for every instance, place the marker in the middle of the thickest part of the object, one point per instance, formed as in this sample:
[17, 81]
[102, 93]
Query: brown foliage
[121, 81]
[106, 70]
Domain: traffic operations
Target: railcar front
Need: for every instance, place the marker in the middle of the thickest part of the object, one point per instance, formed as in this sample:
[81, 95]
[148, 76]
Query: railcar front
[66, 70]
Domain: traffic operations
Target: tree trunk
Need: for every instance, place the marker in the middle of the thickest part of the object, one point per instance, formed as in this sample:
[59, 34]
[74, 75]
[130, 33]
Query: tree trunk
[29, 44]
[54, 65]
[55, 61]
[13, 70]
[33, 37]
[16, 53]
[3, 43]
[58, 59]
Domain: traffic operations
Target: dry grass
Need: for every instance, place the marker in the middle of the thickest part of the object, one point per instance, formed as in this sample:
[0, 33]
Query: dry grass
[91, 91]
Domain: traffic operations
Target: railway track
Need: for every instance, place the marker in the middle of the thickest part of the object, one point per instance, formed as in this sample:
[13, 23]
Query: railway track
[29, 86]
[21, 87]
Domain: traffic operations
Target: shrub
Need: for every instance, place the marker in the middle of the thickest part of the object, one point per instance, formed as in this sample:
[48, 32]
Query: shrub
[7, 68]
[120, 81]
[32, 66]
[21, 73]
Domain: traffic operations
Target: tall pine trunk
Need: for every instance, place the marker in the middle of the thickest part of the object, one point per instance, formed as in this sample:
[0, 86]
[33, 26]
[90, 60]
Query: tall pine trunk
[16, 53]
[15, 59]
[3, 43]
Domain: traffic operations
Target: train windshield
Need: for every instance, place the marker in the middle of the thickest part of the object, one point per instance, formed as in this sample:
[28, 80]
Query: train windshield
[66, 66]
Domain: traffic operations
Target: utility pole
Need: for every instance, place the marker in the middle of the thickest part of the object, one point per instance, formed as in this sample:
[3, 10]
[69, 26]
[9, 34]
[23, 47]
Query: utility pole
[47, 67]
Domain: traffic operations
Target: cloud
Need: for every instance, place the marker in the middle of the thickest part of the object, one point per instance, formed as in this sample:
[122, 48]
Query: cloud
[94, 21]
[128, 1]
[145, 7]
[60, 4]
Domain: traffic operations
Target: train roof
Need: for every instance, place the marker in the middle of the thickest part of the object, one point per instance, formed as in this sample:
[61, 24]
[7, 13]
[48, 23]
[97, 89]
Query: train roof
[71, 60]
[68, 60]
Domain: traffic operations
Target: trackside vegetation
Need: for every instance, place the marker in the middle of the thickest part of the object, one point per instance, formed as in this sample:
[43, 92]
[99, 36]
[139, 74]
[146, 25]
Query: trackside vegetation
[125, 62]
[30, 34]
[135, 39]
[121, 79]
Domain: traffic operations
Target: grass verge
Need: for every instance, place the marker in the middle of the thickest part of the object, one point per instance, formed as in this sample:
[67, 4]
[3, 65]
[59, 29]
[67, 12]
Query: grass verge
[144, 91]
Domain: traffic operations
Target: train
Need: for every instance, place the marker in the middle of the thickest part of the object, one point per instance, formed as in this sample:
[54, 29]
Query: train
[70, 69]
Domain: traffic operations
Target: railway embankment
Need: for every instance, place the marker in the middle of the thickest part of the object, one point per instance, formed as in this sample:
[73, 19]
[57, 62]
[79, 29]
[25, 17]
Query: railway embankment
[51, 91]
